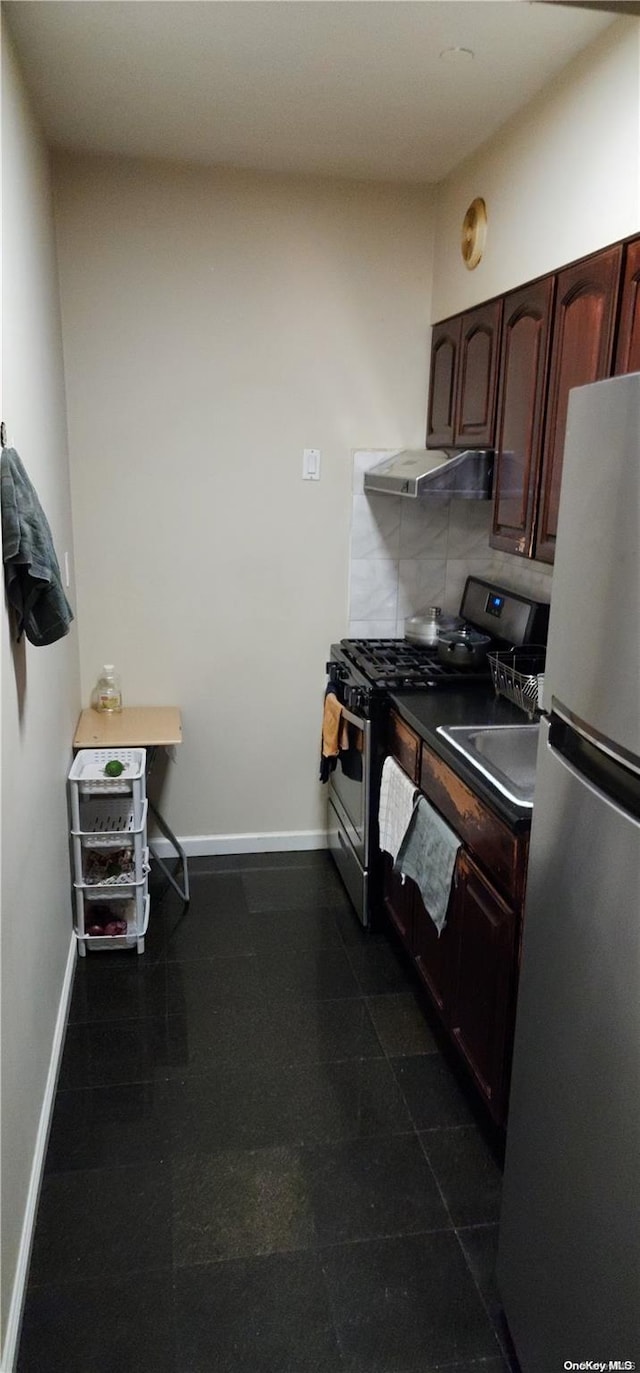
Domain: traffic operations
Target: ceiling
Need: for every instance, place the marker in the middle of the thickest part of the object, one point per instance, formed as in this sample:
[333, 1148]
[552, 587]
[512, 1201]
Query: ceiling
[353, 88]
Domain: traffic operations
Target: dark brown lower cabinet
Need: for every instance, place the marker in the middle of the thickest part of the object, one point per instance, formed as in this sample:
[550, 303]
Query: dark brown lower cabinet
[398, 902]
[483, 1000]
[436, 954]
[470, 970]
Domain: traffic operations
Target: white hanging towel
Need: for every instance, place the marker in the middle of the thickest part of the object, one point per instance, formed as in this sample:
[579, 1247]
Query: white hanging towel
[397, 799]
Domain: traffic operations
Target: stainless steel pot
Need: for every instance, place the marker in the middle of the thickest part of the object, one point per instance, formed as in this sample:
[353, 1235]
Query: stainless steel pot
[425, 628]
[464, 647]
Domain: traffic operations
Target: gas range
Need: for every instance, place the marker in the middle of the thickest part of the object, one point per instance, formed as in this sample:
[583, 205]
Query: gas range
[363, 674]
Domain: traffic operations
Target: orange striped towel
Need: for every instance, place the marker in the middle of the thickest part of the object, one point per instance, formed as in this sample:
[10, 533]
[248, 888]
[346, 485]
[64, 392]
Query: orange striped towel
[332, 724]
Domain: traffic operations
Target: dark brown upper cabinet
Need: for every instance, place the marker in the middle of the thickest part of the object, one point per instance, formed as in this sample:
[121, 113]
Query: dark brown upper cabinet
[531, 347]
[477, 376]
[581, 352]
[524, 356]
[445, 352]
[628, 349]
[462, 381]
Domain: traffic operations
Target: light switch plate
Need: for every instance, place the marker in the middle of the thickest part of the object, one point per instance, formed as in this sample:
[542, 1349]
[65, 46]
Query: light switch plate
[311, 464]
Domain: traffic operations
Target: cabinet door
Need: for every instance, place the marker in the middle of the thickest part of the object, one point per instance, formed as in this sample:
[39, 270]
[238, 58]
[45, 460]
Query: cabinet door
[435, 954]
[496, 848]
[581, 352]
[398, 901]
[403, 745]
[628, 349]
[445, 348]
[477, 374]
[484, 997]
[524, 353]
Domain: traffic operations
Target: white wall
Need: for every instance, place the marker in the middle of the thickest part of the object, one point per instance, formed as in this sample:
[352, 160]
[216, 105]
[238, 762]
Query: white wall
[215, 324]
[40, 686]
[560, 180]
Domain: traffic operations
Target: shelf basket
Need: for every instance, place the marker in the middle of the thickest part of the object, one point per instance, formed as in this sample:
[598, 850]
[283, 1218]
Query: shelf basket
[125, 883]
[137, 925]
[109, 824]
[515, 674]
[89, 764]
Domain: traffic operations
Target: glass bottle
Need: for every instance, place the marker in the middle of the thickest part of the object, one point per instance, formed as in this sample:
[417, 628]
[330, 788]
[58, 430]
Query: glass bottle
[107, 695]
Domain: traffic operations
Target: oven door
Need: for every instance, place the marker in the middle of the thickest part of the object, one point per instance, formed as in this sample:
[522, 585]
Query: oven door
[349, 783]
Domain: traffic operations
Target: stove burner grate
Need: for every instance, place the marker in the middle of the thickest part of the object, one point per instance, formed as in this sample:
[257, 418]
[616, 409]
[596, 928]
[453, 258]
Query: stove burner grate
[399, 665]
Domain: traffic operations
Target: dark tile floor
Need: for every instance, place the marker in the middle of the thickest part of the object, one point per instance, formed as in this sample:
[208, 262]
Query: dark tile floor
[261, 1157]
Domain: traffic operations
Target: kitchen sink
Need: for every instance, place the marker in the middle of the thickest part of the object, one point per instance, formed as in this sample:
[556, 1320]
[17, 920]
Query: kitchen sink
[505, 754]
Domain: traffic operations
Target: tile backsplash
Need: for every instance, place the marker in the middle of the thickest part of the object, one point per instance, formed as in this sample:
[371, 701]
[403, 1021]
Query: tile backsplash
[407, 555]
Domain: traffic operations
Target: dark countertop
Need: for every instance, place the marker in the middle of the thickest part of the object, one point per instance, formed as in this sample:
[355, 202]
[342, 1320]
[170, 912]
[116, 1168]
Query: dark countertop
[471, 705]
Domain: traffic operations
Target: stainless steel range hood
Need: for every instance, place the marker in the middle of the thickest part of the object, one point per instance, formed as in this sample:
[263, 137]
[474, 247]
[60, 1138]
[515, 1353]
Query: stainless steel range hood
[438, 472]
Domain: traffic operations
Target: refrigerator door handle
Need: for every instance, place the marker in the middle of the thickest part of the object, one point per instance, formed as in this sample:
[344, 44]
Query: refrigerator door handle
[593, 736]
[607, 771]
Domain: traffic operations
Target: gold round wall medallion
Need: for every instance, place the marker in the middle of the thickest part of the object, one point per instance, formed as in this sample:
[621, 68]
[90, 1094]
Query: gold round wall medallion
[474, 233]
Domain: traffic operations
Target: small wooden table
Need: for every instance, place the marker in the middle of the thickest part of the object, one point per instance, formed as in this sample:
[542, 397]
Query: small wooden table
[148, 727]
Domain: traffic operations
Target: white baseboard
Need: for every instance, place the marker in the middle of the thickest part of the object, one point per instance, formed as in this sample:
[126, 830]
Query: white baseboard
[10, 1348]
[205, 845]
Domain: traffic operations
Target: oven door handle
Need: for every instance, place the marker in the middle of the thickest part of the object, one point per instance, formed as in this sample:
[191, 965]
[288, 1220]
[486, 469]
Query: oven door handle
[356, 720]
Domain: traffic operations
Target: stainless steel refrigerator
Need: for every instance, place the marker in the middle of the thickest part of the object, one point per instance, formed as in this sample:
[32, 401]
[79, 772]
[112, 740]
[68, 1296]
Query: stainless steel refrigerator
[569, 1247]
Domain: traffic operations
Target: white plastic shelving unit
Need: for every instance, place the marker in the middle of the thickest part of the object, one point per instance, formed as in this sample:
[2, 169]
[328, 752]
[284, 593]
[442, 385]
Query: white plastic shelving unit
[110, 850]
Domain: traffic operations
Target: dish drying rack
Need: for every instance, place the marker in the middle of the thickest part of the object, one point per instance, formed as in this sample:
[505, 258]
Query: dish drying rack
[518, 675]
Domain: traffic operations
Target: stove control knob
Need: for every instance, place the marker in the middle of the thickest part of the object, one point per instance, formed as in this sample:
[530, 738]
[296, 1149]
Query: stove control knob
[336, 671]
